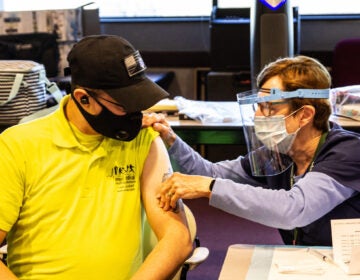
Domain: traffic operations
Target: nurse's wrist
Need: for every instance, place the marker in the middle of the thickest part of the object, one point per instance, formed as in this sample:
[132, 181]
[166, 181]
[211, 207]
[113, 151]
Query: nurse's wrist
[170, 138]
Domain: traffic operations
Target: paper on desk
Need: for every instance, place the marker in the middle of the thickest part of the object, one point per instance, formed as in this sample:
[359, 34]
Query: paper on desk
[208, 111]
[164, 105]
[346, 244]
[299, 264]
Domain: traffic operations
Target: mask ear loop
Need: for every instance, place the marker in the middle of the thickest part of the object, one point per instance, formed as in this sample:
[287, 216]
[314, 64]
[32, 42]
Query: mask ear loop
[292, 113]
[306, 118]
[92, 95]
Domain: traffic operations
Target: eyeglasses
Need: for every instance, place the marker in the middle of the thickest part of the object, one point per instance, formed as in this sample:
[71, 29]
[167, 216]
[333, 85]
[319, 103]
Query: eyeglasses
[96, 97]
[267, 108]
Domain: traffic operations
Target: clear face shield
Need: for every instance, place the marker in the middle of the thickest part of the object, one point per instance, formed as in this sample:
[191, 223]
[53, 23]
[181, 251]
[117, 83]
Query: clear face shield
[267, 139]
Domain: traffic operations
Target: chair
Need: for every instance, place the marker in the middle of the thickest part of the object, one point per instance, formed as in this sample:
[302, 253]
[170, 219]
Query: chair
[3, 253]
[198, 256]
[346, 63]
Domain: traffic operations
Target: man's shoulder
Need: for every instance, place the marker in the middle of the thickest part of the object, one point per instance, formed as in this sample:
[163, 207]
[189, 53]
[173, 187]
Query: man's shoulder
[147, 133]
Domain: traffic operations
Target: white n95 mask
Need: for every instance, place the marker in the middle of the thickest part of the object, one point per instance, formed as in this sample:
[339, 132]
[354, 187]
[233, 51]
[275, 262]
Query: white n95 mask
[271, 131]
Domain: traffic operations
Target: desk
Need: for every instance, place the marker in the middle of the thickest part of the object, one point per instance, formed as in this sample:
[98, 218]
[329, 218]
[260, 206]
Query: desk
[256, 262]
[194, 132]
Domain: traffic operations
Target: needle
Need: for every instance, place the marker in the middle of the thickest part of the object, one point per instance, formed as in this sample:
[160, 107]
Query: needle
[320, 255]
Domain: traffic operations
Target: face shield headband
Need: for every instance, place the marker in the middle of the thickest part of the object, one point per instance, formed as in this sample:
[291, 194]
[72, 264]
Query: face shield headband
[265, 161]
[252, 96]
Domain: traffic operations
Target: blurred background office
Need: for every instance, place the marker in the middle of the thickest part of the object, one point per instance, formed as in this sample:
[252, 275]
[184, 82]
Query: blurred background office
[176, 35]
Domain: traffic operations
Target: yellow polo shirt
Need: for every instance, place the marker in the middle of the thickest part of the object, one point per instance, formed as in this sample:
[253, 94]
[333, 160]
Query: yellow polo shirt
[71, 213]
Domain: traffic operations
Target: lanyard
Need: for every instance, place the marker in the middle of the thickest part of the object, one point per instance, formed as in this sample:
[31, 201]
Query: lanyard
[321, 142]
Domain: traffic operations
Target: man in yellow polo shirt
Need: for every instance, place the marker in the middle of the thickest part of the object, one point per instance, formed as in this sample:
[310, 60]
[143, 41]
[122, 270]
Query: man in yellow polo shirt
[74, 183]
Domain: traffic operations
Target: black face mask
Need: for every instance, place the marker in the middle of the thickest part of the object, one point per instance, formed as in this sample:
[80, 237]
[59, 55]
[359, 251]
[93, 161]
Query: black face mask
[124, 128]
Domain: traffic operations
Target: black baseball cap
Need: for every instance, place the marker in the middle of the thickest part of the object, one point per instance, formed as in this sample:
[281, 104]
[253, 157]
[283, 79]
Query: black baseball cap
[111, 63]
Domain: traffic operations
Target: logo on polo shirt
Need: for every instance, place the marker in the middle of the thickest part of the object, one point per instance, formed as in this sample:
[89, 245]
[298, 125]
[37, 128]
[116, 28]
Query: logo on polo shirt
[124, 177]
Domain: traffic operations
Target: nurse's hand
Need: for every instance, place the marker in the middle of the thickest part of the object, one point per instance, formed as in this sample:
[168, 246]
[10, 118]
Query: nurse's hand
[160, 124]
[179, 186]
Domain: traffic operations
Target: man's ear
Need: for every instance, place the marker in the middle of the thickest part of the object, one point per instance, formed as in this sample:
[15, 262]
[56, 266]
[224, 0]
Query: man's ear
[81, 96]
[308, 114]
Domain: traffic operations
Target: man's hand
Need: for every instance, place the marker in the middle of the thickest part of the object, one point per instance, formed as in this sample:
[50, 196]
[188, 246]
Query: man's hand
[159, 123]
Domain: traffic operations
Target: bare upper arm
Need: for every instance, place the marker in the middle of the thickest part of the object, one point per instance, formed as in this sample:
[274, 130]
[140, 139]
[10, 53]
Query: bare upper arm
[156, 167]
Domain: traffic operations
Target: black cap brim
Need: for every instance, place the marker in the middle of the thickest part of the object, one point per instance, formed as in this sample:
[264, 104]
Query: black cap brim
[139, 96]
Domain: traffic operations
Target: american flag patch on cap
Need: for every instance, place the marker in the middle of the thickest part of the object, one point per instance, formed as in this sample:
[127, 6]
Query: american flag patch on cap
[134, 64]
